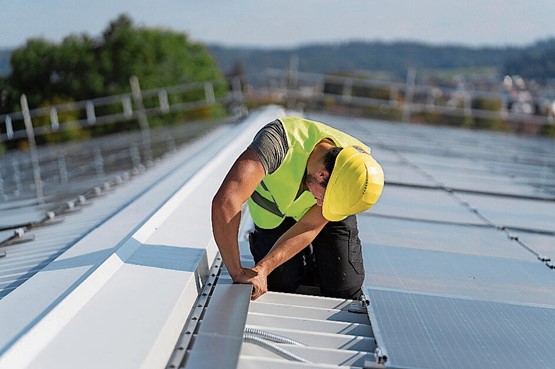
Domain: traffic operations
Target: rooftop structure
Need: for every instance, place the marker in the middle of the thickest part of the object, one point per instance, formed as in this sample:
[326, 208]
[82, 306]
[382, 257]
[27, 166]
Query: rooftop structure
[458, 255]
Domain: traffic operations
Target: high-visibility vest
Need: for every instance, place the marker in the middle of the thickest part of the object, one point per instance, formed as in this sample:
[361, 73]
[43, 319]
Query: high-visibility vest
[276, 196]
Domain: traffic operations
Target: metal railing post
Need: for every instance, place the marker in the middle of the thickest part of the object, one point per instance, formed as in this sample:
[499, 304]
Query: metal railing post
[409, 93]
[467, 104]
[91, 115]
[98, 162]
[209, 93]
[9, 127]
[141, 115]
[32, 147]
[62, 168]
[127, 108]
[16, 177]
[237, 89]
[2, 193]
[163, 100]
[54, 122]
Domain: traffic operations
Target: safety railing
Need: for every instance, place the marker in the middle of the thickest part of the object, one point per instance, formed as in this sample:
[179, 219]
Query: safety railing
[399, 100]
[290, 87]
[19, 171]
[406, 98]
[98, 111]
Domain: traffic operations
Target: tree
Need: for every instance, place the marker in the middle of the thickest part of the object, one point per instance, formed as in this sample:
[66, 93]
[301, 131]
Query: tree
[32, 67]
[82, 67]
[158, 57]
[76, 74]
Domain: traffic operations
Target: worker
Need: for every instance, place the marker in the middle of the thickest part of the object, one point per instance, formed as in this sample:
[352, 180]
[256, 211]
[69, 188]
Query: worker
[303, 182]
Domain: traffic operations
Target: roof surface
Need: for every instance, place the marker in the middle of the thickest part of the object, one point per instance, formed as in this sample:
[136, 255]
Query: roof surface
[457, 252]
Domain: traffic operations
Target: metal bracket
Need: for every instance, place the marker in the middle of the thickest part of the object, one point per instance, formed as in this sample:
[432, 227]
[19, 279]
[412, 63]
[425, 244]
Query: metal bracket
[19, 236]
[359, 306]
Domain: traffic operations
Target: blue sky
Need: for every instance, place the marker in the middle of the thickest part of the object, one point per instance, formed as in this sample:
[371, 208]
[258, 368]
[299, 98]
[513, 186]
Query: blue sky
[288, 23]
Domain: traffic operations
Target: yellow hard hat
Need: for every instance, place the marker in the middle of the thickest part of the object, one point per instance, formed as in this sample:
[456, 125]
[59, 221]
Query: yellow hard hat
[355, 184]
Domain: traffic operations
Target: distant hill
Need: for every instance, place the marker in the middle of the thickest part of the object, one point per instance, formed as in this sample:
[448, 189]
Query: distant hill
[390, 58]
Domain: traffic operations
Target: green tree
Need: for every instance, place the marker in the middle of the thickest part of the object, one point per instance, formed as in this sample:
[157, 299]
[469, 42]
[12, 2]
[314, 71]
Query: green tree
[32, 66]
[82, 67]
[75, 74]
[158, 57]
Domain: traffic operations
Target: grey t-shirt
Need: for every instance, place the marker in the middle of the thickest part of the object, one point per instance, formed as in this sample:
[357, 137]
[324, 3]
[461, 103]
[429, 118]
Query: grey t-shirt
[270, 144]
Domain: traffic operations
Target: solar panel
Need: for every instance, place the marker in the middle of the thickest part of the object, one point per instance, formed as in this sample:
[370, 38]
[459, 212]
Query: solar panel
[463, 239]
[427, 204]
[425, 331]
[514, 212]
[454, 274]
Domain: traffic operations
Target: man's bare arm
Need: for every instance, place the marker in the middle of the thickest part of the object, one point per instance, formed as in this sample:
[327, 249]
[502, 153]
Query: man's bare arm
[300, 235]
[241, 181]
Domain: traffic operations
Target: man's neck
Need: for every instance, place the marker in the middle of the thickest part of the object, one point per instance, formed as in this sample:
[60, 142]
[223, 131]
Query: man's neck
[316, 156]
[315, 159]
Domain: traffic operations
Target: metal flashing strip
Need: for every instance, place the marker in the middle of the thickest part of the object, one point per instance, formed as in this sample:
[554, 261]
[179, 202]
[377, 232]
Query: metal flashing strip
[177, 359]
[112, 221]
[218, 342]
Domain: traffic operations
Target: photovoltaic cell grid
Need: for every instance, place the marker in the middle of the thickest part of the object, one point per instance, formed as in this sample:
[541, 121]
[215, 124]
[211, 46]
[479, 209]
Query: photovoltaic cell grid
[455, 250]
[459, 275]
[425, 331]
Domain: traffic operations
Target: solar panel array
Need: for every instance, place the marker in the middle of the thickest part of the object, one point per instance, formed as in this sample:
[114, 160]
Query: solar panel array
[459, 249]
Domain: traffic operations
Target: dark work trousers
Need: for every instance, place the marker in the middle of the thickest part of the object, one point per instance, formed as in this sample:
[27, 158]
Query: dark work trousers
[337, 252]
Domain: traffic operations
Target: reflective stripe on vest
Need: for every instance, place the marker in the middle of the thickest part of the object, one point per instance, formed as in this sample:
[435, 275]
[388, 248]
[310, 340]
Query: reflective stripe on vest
[266, 204]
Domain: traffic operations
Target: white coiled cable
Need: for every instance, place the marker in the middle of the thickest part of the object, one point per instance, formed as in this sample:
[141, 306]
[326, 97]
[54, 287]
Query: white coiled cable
[268, 340]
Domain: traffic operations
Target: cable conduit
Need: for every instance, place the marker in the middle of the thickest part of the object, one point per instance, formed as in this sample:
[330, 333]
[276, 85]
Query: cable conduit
[273, 337]
[252, 338]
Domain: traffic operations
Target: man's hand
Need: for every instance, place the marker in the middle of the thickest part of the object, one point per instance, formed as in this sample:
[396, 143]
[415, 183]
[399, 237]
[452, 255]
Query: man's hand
[255, 276]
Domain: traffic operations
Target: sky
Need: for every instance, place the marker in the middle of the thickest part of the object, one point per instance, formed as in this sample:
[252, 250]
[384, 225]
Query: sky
[291, 23]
